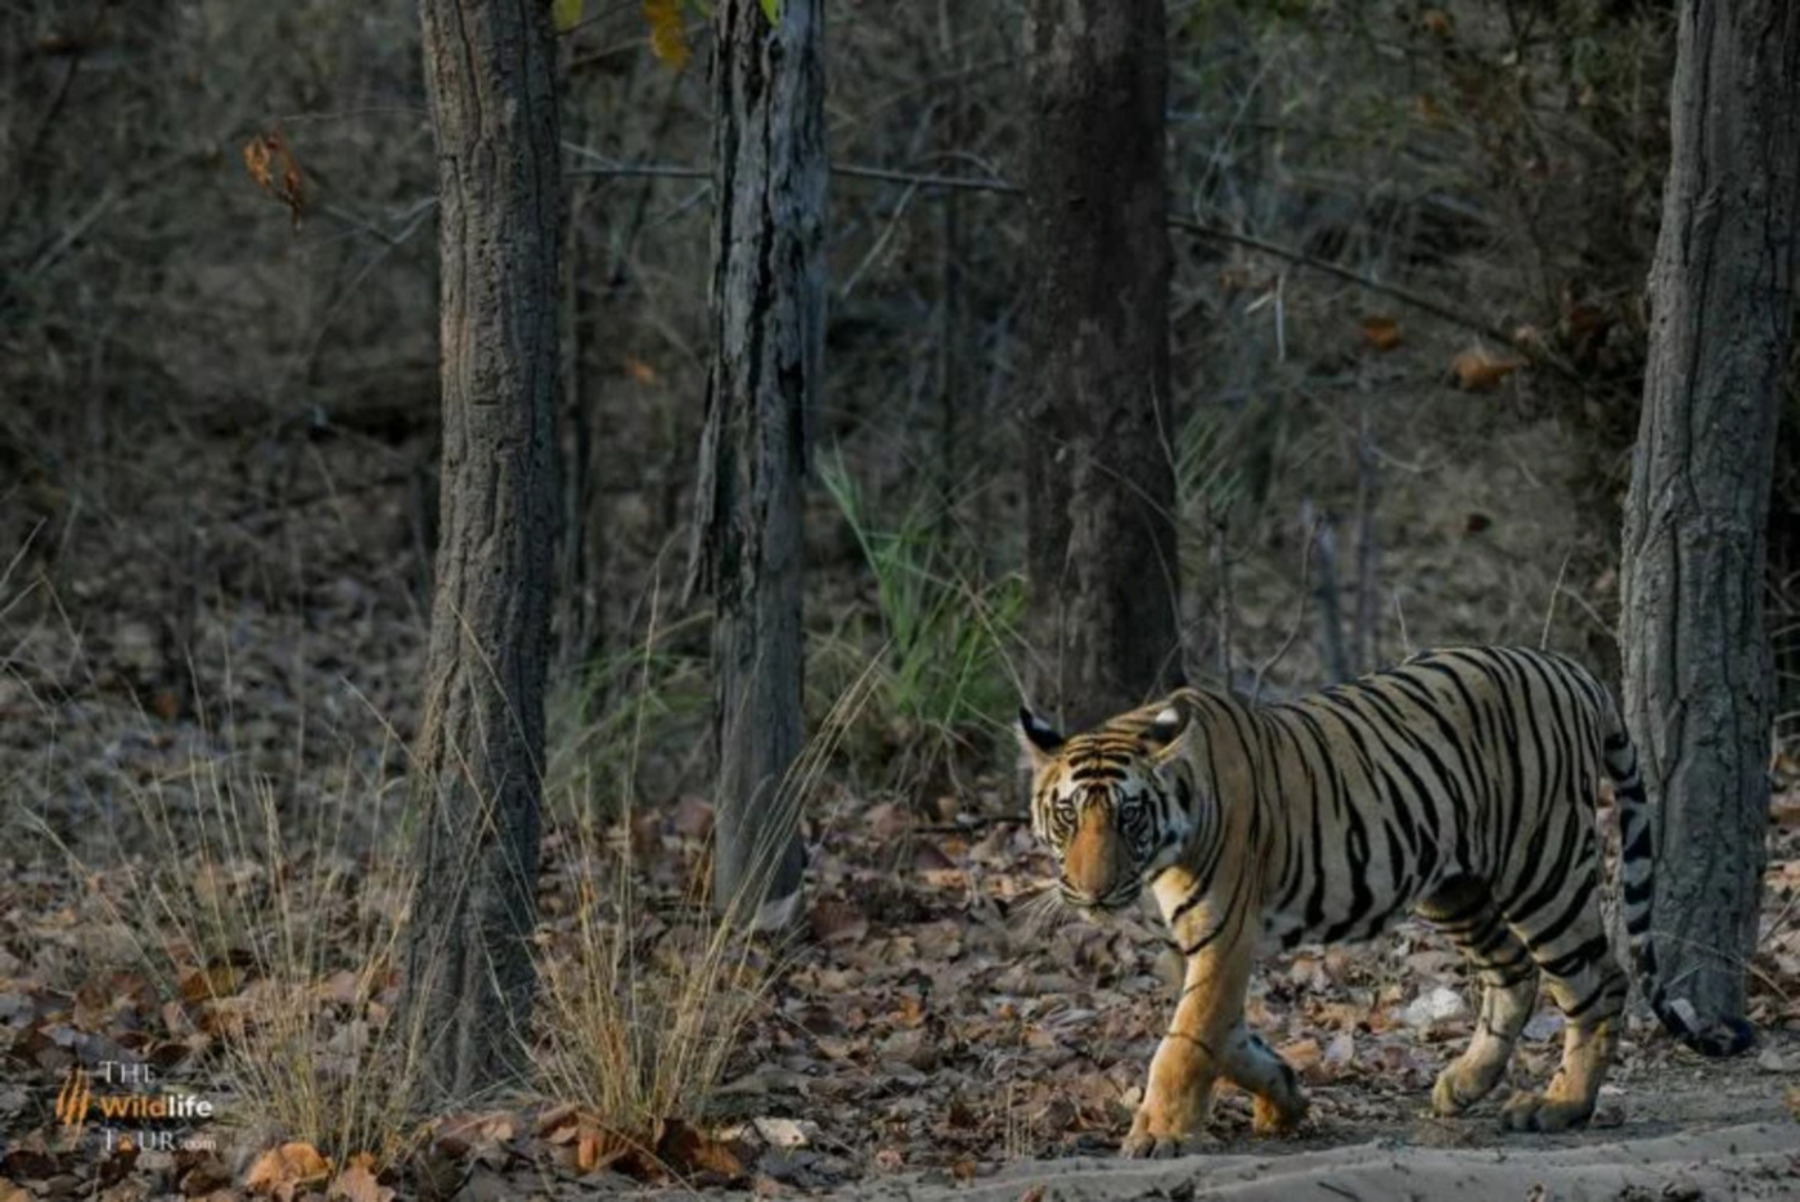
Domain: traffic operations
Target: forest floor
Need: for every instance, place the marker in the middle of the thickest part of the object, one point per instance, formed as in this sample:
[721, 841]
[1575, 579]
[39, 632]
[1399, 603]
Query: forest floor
[936, 1028]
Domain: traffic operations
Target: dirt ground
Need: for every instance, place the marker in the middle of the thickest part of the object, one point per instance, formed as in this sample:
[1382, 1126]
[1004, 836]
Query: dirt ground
[938, 1030]
[1744, 1160]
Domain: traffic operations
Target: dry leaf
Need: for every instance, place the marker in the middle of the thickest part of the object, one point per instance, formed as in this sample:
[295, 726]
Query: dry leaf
[358, 1184]
[281, 1171]
[668, 36]
[835, 920]
[686, 1149]
[1302, 1054]
[215, 981]
[271, 163]
[1382, 333]
[1478, 370]
[1436, 22]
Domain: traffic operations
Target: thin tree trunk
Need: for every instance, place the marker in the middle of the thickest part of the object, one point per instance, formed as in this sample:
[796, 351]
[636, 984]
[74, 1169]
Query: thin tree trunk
[477, 771]
[768, 315]
[1697, 673]
[1100, 486]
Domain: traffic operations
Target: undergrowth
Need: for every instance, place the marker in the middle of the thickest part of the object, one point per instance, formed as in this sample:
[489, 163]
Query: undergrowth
[944, 678]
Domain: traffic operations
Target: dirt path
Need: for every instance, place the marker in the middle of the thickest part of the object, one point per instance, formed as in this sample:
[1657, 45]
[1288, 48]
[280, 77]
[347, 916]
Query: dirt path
[1755, 1160]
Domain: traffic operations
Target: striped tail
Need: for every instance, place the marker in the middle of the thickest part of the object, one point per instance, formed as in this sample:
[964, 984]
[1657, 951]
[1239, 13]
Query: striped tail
[1637, 874]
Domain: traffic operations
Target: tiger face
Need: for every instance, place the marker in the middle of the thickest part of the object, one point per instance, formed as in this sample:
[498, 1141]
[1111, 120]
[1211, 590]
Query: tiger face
[1113, 804]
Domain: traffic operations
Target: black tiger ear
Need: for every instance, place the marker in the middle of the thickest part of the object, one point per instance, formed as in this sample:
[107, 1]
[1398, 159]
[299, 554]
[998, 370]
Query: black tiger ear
[1037, 738]
[1166, 728]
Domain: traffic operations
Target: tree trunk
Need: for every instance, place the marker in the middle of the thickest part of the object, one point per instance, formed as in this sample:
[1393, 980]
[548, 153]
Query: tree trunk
[477, 769]
[1099, 436]
[768, 317]
[1697, 674]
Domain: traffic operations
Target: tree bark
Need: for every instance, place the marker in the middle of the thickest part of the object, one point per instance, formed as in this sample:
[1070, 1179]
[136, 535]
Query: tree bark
[1697, 673]
[768, 318]
[1100, 489]
[477, 765]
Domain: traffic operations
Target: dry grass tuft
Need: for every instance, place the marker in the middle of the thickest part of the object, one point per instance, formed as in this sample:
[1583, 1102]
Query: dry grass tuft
[281, 949]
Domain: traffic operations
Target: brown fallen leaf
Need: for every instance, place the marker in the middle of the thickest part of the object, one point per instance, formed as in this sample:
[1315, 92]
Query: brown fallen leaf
[1303, 1054]
[689, 1151]
[357, 1182]
[281, 1172]
[220, 979]
[200, 1173]
[835, 920]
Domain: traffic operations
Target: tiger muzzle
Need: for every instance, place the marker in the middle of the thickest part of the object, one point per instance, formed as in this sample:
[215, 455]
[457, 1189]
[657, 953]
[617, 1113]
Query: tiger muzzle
[1099, 872]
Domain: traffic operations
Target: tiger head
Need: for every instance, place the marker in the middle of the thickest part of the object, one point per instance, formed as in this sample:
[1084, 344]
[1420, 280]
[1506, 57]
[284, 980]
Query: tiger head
[1113, 803]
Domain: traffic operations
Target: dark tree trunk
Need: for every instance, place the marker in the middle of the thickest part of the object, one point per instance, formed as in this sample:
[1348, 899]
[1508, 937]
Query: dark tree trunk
[768, 318]
[477, 769]
[1697, 674]
[1100, 486]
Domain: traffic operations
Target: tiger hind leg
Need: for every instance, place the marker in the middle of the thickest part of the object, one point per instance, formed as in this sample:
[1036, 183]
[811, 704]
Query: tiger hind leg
[1464, 909]
[1567, 938]
[1590, 988]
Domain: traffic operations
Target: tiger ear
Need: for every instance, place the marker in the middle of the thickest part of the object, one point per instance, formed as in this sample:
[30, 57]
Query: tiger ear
[1168, 730]
[1038, 740]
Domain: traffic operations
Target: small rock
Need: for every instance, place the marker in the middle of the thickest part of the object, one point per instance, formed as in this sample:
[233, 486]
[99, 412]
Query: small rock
[1435, 1005]
[786, 1133]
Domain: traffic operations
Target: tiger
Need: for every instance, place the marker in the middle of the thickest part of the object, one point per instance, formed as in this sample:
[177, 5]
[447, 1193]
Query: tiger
[1461, 784]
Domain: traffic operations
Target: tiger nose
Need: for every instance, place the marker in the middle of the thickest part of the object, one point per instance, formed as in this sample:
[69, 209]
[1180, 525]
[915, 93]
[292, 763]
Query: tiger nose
[1078, 895]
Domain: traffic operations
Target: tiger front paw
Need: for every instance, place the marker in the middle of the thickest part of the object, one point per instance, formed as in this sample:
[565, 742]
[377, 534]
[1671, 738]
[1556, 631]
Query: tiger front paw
[1153, 1140]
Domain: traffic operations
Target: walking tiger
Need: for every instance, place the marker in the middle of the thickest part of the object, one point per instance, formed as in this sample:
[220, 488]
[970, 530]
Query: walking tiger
[1460, 785]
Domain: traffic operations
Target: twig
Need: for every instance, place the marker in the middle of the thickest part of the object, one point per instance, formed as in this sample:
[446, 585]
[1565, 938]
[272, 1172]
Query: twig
[27, 160]
[404, 227]
[1405, 296]
[132, 187]
[965, 183]
[975, 822]
[1311, 522]
[604, 167]
[1368, 550]
[1221, 566]
[1331, 622]
[1199, 229]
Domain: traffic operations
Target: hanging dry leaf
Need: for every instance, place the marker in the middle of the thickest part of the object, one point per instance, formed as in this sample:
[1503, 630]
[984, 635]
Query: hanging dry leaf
[1479, 370]
[1382, 333]
[668, 36]
[270, 162]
